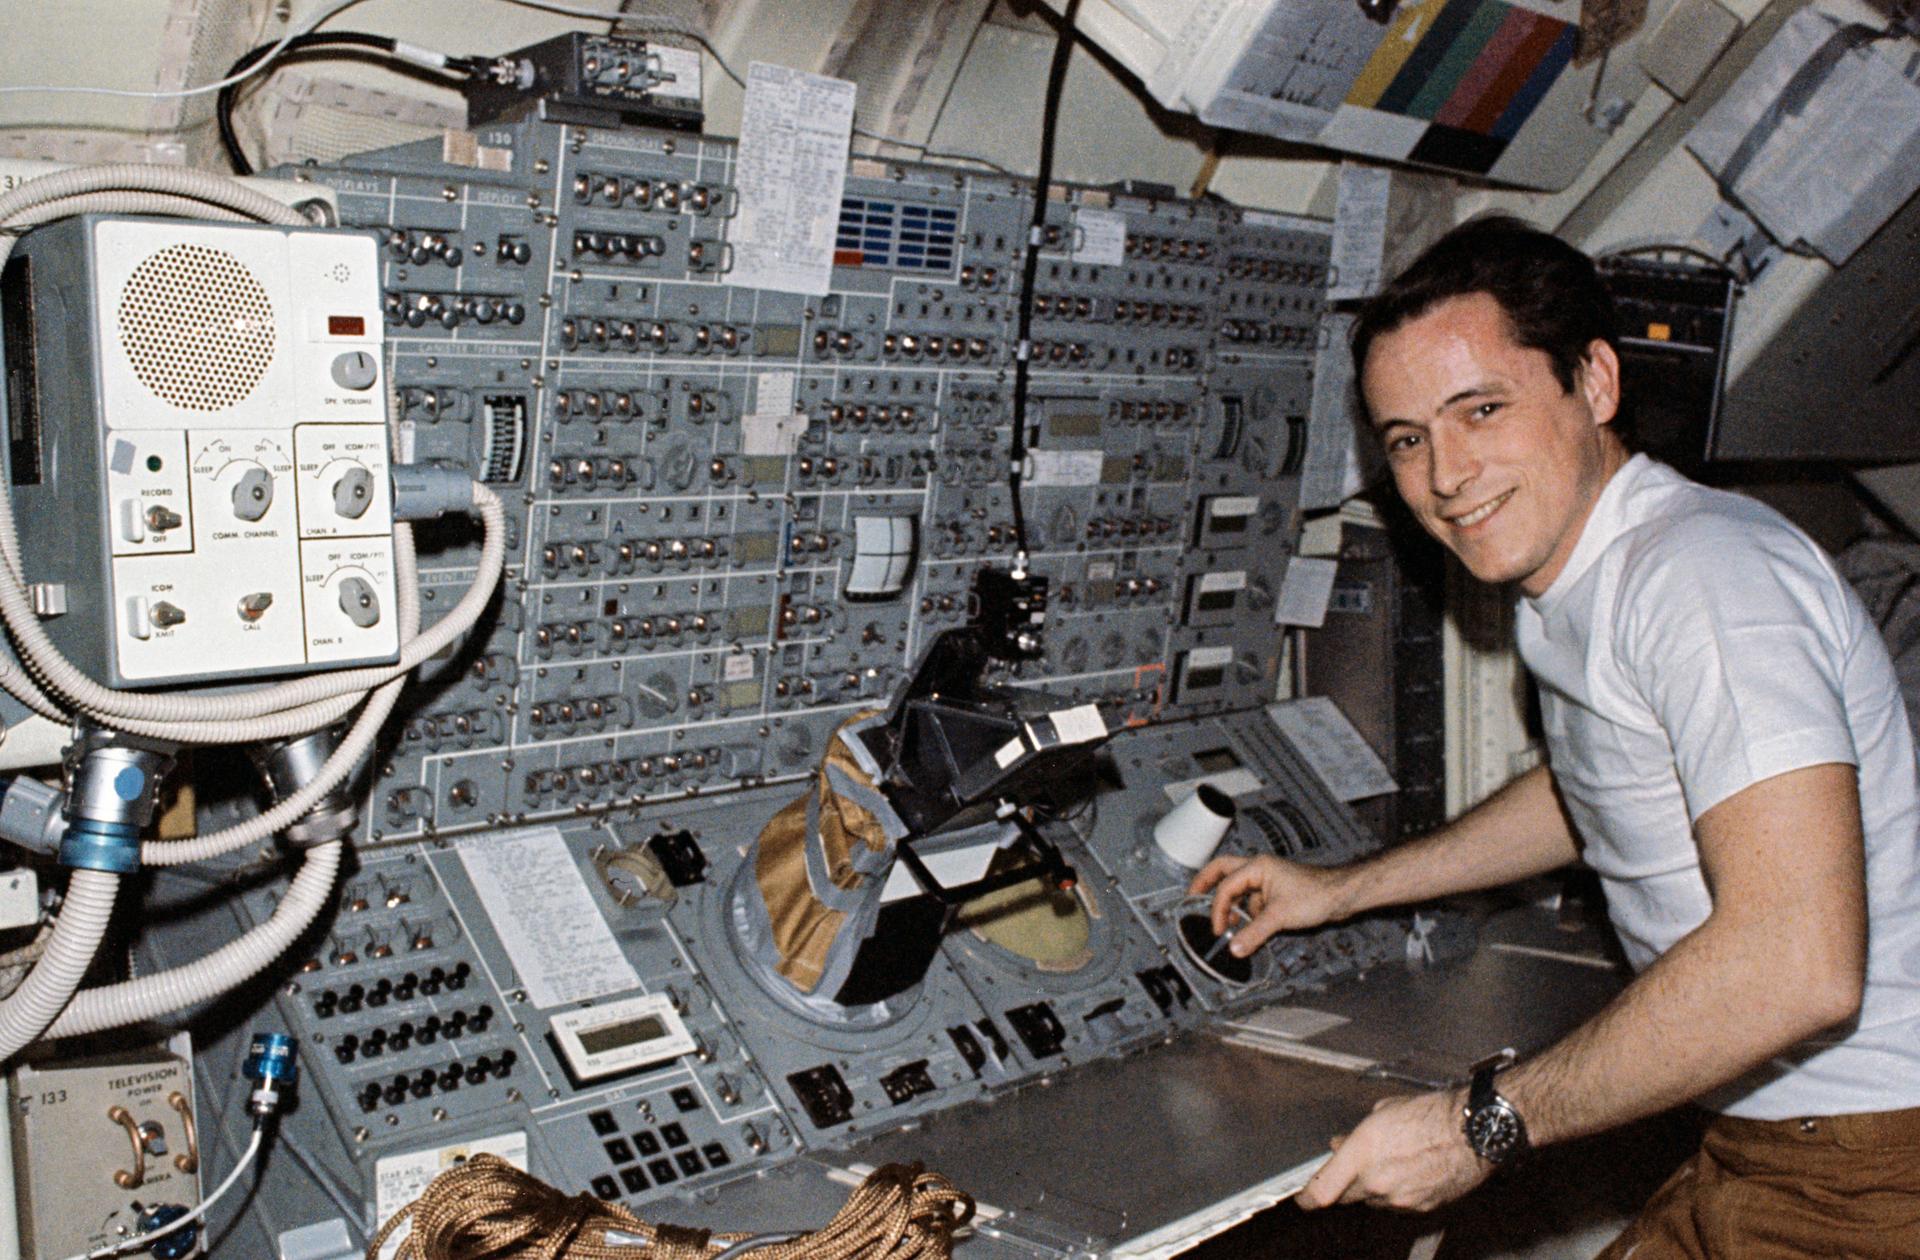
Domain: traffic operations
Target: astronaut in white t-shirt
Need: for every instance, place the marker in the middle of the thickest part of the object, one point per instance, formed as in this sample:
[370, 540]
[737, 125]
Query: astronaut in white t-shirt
[1727, 748]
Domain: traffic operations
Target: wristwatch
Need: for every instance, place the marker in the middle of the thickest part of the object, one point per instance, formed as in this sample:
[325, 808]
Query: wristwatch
[1493, 1128]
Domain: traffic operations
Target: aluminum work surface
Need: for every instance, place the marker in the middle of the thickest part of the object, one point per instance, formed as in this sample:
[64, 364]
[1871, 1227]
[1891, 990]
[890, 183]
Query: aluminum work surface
[1155, 1146]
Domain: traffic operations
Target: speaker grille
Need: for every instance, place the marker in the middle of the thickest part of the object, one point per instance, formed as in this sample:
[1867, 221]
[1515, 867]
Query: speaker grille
[197, 326]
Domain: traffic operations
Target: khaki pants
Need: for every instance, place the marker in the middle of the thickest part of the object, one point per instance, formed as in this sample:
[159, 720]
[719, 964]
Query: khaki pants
[1824, 1188]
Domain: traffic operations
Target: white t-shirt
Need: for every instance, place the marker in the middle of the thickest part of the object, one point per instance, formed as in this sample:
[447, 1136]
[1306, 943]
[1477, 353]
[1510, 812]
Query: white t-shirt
[1696, 644]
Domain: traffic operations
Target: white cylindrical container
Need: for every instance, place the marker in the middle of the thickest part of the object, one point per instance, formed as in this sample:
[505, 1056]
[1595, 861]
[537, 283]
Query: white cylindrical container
[1193, 829]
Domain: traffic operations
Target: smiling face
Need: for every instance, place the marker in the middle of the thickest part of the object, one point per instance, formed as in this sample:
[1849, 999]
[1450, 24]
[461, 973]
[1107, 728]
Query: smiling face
[1494, 457]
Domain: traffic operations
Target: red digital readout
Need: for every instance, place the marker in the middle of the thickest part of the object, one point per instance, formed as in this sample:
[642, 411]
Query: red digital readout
[346, 326]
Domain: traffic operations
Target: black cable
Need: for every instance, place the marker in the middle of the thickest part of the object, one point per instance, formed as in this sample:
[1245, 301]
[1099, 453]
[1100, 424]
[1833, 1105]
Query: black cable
[1030, 269]
[230, 94]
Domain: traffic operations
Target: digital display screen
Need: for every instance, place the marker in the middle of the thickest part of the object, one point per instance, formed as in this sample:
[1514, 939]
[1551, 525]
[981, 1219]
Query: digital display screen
[1215, 760]
[632, 1032]
[346, 326]
[1211, 676]
[1215, 601]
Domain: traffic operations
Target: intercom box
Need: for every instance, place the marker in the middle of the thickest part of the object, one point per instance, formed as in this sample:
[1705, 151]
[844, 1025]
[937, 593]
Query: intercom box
[197, 443]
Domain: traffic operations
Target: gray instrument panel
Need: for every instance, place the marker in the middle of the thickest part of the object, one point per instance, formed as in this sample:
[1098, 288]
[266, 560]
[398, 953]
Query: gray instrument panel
[681, 615]
[702, 587]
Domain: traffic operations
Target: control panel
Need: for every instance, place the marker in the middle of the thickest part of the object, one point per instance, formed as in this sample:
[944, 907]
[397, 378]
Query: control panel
[736, 519]
[202, 491]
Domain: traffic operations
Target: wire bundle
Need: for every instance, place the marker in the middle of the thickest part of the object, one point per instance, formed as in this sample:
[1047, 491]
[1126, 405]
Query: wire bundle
[487, 1208]
[46, 682]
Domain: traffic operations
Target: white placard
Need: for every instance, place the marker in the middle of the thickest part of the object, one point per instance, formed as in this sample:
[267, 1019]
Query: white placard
[737, 668]
[1233, 580]
[1080, 724]
[789, 174]
[399, 1179]
[1063, 468]
[1239, 781]
[1304, 592]
[773, 392]
[1101, 238]
[1321, 733]
[538, 902]
[1359, 230]
[1342, 457]
[772, 433]
[680, 70]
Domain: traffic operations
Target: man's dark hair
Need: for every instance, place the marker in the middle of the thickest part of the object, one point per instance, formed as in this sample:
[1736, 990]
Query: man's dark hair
[1551, 294]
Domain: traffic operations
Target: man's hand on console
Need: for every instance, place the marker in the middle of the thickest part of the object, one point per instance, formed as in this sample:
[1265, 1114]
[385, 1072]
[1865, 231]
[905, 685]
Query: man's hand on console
[1280, 896]
[1410, 1154]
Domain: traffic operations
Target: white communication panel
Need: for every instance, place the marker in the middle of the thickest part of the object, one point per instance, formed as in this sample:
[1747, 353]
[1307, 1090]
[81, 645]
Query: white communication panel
[244, 411]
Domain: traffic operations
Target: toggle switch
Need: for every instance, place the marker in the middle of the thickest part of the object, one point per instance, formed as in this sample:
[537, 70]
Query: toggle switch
[160, 519]
[254, 606]
[166, 616]
[133, 526]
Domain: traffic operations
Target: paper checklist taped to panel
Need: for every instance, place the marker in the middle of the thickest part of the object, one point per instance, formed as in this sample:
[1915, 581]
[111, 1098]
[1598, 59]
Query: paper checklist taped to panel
[791, 168]
[1321, 733]
[538, 902]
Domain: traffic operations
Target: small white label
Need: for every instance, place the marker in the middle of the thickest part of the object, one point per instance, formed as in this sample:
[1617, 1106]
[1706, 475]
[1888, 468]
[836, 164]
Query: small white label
[737, 668]
[1063, 468]
[1009, 752]
[399, 1179]
[771, 433]
[773, 392]
[1209, 657]
[1079, 725]
[405, 438]
[680, 68]
[1101, 570]
[1232, 581]
[1234, 505]
[1101, 237]
[1236, 783]
[1304, 592]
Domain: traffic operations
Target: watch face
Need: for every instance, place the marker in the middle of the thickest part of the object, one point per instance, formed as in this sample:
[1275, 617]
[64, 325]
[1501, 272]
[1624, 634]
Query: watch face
[1494, 1131]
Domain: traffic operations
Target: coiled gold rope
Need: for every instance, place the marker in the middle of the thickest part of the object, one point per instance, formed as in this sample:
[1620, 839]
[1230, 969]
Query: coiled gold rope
[486, 1209]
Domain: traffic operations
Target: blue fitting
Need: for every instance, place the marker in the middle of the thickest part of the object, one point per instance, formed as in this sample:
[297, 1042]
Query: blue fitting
[92, 844]
[271, 1067]
[270, 1059]
[181, 1242]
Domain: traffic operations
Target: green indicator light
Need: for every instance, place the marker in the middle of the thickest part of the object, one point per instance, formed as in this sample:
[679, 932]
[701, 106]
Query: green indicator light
[153, 463]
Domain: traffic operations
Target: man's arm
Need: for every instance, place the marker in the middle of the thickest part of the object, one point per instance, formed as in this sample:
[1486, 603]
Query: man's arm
[1519, 831]
[1781, 957]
